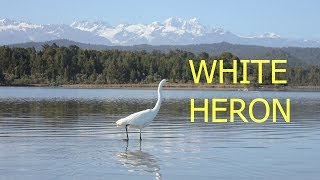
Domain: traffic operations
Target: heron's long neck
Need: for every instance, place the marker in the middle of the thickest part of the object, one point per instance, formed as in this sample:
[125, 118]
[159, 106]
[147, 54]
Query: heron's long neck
[157, 106]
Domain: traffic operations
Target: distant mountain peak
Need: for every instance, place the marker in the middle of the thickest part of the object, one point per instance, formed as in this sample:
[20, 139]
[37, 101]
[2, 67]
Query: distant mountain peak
[91, 26]
[6, 21]
[270, 35]
[12, 25]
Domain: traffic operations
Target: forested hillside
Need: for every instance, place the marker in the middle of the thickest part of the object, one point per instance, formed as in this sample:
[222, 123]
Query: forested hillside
[72, 65]
[295, 55]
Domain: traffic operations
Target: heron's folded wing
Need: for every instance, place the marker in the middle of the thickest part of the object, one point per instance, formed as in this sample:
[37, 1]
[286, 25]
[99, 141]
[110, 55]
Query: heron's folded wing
[140, 118]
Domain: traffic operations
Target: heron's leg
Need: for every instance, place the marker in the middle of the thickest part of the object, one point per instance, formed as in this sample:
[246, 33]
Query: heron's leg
[127, 131]
[140, 135]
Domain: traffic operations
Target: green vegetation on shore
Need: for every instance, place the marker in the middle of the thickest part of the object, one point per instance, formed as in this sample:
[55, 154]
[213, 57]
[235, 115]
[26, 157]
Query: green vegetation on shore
[54, 65]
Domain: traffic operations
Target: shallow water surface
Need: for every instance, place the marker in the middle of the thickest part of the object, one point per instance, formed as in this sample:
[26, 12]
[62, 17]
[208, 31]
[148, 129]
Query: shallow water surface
[56, 133]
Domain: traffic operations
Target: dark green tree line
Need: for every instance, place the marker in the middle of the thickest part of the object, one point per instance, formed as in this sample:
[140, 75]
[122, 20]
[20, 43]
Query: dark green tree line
[71, 65]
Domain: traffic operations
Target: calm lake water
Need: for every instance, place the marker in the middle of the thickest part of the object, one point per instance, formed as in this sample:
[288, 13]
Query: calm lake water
[56, 133]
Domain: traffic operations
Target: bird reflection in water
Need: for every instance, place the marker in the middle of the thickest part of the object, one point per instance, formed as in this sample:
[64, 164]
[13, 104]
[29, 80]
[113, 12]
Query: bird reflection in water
[139, 161]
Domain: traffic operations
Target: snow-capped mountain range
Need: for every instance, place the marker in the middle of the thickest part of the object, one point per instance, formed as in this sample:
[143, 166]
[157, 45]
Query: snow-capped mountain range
[172, 31]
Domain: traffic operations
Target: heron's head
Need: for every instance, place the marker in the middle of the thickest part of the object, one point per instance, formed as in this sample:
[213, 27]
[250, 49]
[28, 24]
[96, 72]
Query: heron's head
[163, 82]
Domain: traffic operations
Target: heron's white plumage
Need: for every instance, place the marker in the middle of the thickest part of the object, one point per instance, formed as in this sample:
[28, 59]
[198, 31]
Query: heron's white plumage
[143, 118]
[138, 120]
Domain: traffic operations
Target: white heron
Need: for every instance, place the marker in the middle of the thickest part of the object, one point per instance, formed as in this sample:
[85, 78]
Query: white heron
[141, 119]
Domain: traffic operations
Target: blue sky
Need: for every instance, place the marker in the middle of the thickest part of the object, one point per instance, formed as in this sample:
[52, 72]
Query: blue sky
[294, 19]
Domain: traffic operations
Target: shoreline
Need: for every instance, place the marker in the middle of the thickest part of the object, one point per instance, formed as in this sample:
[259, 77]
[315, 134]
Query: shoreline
[176, 86]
